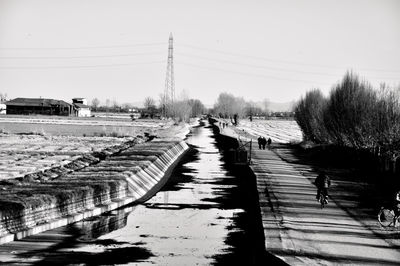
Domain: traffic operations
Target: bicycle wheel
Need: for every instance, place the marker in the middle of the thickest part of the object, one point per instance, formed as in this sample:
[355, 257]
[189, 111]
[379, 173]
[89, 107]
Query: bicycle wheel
[322, 203]
[386, 217]
[323, 199]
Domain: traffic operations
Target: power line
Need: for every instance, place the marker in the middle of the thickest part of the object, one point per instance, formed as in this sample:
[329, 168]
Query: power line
[80, 67]
[276, 60]
[253, 66]
[83, 47]
[268, 67]
[252, 74]
[77, 57]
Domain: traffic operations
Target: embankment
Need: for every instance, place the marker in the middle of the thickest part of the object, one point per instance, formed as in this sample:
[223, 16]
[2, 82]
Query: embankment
[94, 184]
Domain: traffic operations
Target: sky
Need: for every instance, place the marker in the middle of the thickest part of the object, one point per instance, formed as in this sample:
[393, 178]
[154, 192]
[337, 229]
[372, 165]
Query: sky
[255, 49]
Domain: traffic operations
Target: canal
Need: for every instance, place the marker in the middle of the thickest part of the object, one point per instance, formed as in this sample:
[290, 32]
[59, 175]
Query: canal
[207, 214]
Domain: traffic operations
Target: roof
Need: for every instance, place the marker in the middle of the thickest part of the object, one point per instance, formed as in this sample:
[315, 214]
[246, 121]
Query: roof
[79, 105]
[35, 102]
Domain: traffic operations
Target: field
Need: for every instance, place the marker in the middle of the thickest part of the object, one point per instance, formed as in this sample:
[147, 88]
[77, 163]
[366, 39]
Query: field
[67, 126]
[280, 131]
[30, 144]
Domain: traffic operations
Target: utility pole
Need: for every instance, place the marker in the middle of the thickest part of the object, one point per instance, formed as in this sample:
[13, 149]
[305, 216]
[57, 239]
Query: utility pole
[169, 91]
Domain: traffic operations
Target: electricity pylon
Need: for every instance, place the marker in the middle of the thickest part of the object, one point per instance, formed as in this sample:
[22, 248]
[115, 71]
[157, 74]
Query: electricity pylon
[169, 91]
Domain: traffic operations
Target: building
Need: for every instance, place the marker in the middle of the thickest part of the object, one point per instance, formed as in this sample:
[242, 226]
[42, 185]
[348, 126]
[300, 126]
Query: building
[38, 106]
[3, 108]
[80, 107]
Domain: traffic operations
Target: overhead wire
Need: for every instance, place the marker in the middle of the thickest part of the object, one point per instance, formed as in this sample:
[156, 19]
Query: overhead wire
[84, 47]
[268, 67]
[82, 66]
[177, 53]
[78, 57]
[251, 74]
[276, 60]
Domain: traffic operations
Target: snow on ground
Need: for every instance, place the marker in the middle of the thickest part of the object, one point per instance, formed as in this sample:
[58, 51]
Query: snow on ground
[33, 144]
[280, 131]
[25, 154]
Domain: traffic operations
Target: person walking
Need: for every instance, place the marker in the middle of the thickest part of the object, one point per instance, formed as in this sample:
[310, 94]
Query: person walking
[259, 140]
[263, 142]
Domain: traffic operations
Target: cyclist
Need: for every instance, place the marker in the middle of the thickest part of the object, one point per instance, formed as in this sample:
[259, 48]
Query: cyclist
[397, 204]
[323, 182]
[396, 208]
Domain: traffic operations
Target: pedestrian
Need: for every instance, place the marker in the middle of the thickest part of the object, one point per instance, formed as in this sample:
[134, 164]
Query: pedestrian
[269, 142]
[263, 142]
[259, 142]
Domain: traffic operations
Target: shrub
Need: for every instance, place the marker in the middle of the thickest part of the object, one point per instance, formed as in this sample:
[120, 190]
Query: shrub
[309, 115]
[354, 115]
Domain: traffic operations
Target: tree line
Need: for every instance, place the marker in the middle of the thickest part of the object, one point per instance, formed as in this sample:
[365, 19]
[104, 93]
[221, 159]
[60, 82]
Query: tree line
[181, 110]
[354, 115]
[229, 106]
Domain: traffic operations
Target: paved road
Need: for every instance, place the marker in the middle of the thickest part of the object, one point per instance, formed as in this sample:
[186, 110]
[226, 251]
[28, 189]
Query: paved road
[300, 233]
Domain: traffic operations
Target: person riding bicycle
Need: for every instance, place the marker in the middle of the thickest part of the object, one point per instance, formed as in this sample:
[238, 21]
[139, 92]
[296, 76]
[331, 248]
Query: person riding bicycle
[397, 204]
[323, 182]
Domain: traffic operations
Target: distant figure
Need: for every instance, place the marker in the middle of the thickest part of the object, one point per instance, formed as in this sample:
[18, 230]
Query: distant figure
[322, 182]
[259, 142]
[235, 119]
[263, 142]
[397, 204]
[269, 142]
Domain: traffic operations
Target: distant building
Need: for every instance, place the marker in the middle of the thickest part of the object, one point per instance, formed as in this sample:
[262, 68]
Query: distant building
[80, 107]
[3, 108]
[135, 114]
[35, 106]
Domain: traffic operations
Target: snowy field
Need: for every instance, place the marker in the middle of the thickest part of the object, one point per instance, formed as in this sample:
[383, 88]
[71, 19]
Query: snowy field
[280, 131]
[29, 144]
[25, 154]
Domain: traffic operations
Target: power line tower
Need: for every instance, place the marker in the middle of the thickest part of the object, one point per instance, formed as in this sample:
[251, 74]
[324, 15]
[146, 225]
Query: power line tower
[169, 92]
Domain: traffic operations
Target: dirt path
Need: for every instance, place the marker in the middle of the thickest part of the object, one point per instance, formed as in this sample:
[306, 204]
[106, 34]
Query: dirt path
[300, 233]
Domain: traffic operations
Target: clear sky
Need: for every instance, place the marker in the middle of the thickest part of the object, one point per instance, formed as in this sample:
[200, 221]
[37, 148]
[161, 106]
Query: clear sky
[257, 49]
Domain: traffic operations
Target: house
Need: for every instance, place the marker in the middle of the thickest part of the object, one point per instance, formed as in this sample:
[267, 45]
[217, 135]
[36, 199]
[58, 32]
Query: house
[3, 108]
[38, 106]
[80, 107]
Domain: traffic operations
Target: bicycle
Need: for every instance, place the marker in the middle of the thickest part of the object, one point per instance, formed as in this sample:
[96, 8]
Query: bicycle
[323, 199]
[388, 218]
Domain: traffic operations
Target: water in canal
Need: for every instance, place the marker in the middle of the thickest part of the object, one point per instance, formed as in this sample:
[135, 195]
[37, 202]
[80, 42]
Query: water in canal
[206, 214]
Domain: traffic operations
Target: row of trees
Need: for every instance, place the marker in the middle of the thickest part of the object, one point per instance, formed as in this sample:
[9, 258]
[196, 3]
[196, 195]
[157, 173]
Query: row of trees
[110, 106]
[228, 106]
[353, 115]
[181, 110]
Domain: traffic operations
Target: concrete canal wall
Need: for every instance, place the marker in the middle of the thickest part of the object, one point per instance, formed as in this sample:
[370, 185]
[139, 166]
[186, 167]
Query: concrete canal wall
[89, 186]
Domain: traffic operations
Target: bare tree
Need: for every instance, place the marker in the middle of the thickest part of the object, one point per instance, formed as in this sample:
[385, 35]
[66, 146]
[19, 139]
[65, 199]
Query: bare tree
[3, 97]
[197, 107]
[149, 102]
[115, 106]
[108, 102]
[95, 104]
[266, 104]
